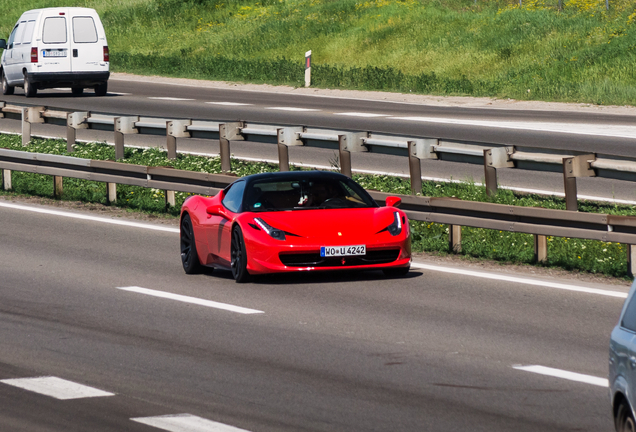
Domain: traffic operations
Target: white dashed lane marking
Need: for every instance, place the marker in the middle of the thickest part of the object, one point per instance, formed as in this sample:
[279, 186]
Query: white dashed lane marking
[567, 375]
[192, 300]
[291, 109]
[57, 388]
[186, 423]
[170, 98]
[229, 103]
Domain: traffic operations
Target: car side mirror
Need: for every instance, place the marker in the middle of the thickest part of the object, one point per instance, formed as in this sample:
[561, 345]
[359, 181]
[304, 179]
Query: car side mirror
[393, 201]
[3, 44]
[215, 209]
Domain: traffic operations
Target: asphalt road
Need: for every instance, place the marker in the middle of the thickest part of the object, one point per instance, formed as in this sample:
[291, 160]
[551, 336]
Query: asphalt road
[600, 133]
[339, 352]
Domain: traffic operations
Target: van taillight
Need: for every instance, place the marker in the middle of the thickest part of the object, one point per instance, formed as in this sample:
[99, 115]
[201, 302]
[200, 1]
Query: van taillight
[106, 55]
[34, 55]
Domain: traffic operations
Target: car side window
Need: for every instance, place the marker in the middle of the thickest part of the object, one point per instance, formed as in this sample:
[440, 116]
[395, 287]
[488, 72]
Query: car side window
[629, 319]
[28, 32]
[12, 37]
[18, 33]
[234, 197]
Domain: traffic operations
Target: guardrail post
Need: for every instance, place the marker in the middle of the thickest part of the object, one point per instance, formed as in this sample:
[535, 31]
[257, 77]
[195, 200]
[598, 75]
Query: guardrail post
[631, 260]
[287, 137]
[123, 126]
[455, 238]
[30, 115]
[6, 179]
[540, 248]
[74, 121]
[58, 187]
[498, 157]
[347, 144]
[419, 149]
[228, 132]
[176, 129]
[573, 167]
[170, 198]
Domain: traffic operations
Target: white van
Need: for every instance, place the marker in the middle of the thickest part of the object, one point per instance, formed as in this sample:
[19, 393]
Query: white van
[56, 47]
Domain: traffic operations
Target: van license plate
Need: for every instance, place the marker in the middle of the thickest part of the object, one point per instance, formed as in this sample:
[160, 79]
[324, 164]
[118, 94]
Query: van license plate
[54, 53]
[331, 251]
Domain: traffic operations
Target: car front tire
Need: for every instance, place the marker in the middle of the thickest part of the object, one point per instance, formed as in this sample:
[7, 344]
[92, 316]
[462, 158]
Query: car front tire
[624, 420]
[6, 88]
[238, 256]
[189, 256]
[77, 90]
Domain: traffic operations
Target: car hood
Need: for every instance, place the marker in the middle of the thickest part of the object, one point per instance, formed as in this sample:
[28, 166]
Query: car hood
[340, 225]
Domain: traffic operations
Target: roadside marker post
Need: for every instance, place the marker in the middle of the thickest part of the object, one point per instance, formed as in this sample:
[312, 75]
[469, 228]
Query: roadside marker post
[308, 68]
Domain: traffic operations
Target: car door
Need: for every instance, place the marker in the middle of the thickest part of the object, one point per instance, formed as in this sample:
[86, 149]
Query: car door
[219, 227]
[623, 347]
[55, 44]
[87, 52]
[10, 58]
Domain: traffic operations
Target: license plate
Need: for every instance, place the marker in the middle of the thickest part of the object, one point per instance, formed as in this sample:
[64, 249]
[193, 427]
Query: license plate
[54, 53]
[331, 251]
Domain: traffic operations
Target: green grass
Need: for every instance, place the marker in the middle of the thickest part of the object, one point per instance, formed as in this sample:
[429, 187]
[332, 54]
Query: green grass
[572, 254]
[488, 48]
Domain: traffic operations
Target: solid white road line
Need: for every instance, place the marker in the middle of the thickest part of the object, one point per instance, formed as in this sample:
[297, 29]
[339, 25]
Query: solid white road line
[291, 109]
[361, 114]
[186, 423]
[171, 98]
[514, 279]
[619, 131]
[558, 373]
[51, 212]
[229, 103]
[193, 300]
[56, 387]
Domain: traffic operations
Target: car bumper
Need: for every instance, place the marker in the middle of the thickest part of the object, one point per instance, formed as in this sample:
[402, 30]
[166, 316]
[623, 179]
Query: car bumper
[67, 79]
[263, 259]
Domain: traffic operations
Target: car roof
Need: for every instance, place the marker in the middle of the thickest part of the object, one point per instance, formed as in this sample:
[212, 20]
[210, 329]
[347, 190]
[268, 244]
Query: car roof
[295, 175]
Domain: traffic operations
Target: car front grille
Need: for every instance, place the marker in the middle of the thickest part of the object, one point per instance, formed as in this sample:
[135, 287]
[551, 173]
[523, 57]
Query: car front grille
[378, 256]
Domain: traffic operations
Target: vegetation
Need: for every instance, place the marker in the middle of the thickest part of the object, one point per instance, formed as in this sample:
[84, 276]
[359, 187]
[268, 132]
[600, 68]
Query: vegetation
[469, 47]
[573, 254]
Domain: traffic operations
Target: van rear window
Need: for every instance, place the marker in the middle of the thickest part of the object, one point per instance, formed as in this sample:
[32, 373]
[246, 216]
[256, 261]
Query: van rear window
[54, 30]
[84, 30]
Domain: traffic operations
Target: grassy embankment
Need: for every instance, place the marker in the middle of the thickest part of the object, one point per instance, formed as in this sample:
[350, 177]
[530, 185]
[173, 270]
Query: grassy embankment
[488, 48]
[584, 255]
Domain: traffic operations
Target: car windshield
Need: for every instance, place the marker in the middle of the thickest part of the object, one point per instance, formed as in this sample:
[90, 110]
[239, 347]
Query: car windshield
[305, 194]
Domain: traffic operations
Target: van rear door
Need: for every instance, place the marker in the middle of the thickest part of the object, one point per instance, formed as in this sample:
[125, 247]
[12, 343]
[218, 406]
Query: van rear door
[87, 44]
[54, 51]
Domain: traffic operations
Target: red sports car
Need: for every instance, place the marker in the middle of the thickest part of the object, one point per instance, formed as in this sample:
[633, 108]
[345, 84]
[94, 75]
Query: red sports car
[294, 221]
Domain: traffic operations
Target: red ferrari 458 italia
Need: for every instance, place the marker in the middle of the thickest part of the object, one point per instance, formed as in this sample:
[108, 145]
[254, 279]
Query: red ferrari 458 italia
[294, 221]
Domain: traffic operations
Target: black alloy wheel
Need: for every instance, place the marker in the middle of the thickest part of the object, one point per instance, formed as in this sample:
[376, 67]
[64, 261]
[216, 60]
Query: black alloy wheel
[238, 256]
[6, 88]
[189, 257]
[30, 89]
[624, 421]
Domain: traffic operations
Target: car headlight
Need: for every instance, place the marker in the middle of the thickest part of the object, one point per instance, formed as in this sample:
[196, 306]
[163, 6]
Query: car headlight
[396, 226]
[273, 232]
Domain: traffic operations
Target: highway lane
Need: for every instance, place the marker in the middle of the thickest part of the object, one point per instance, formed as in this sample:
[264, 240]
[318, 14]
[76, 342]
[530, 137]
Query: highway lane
[356, 352]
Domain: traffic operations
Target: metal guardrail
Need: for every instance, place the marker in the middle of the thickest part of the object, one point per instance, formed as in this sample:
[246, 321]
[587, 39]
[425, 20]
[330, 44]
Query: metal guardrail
[450, 211]
[492, 156]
